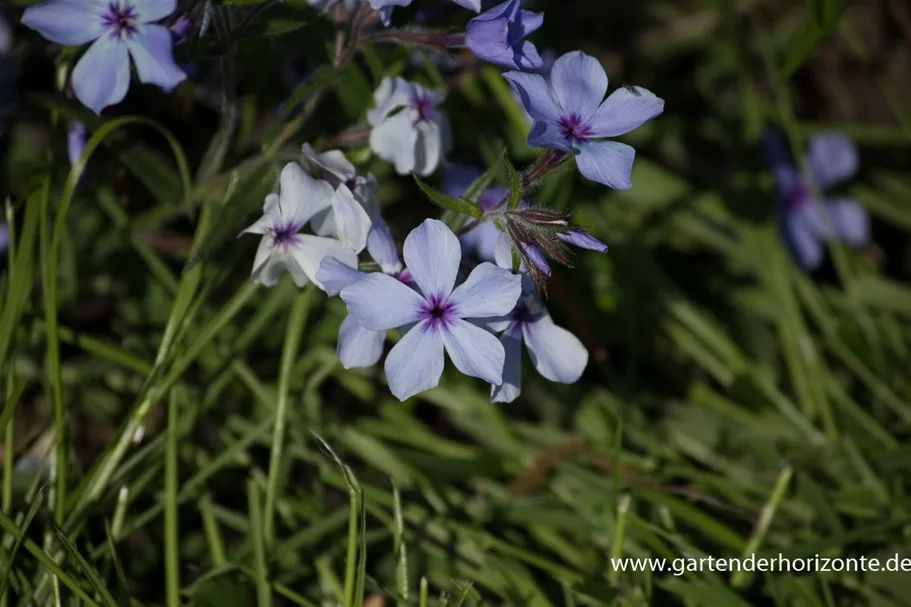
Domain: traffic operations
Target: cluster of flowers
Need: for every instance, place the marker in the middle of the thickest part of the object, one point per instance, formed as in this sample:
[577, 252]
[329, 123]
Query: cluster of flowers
[513, 238]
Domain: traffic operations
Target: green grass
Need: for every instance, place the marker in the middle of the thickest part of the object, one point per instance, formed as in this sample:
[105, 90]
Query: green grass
[194, 441]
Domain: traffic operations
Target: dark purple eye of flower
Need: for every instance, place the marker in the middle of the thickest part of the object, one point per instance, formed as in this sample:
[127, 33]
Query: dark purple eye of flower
[521, 314]
[284, 234]
[120, 19]
[797, 195]
[438, 311]
[424, 106]
[573, 129]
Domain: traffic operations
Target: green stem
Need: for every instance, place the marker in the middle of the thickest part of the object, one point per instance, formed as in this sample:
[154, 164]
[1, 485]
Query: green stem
[171, 537]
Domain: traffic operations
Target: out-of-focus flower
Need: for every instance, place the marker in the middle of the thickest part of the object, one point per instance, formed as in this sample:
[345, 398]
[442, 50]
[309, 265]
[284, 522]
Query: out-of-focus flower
[831, 159]
[482, 238]
[76, 135]
[570, 114]
[4, 237]
[407, 128]
[324, 6]
[120, 29]
[181, 28]
[498, 36]
[435, 312]
[385, 6]
[556, 353]
[284, 215]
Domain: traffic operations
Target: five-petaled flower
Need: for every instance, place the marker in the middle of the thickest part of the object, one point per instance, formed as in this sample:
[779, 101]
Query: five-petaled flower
[498, 36]
[570, 114]
[120, 29]
[385, 6]
[407, 128]
[436, 312]
[831, 159]
[284, 215]
[556, 353]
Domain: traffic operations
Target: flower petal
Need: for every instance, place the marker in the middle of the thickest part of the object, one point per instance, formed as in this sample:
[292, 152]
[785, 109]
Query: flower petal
[335, 275]
[832, 157]
[309, 251]
[68, 22]
[474, 351]
[75, 141]
[150, 48]
[556, 353]
[482, 239]
[302, 196]
[535, 95]
[579, 84]
[432, 256]
[351, 220]
[503, 252]
[270, 217]
[416, 362]
[849, 220]
[357, 346]
[153, 10]
[458, 177]
[485, 37]
[803, 234]
[333, 162]
[607, 162]
[511, 387]
[394, 141]
[380, 302]
[547, 135]
[381, 246]
[488, 291]
[102, 75]
[583, 240]
[624, 111]
[472, 5]
[428, 148]
[526, 57]
[392, 93]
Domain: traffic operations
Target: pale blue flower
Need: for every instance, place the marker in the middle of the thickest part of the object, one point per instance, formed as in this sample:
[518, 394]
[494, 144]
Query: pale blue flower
[120, 29]
[385, 6]
[436, 312]
[831, 159]
[407, 128]
[557, 354]
[498, 36]
[570, 114]
[284, 215]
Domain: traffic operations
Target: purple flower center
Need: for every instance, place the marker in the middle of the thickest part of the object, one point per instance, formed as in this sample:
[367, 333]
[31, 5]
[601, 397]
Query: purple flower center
[797, 196]
[438, 311]
[403, 276]
[120, 19]
[423, 104]
[284, 234]
[521, 315]
[573, 128]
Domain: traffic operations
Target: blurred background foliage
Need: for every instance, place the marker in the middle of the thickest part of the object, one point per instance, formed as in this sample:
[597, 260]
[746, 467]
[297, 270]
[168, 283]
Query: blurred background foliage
[732, 404]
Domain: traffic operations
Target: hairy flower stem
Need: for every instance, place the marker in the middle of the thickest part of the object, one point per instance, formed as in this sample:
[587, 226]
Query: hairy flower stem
[435, 39]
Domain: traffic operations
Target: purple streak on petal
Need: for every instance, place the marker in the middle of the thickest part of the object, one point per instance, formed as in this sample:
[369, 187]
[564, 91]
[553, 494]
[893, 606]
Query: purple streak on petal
[583, 240]
[850, 220]
[607, 162]
[488, 291]
[832, 157]
[335, 276]
[380, 302]
[357, 346]
[474, 351]
[579, 84]
[511, 387]
[150, 48]
[102, 75]
[624, 111]
[556, 353]
[416, 362]
[67, 22]
[432, 255]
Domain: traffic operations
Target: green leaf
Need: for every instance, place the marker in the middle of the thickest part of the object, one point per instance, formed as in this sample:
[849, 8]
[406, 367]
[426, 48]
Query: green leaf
[515, 186]
[29, 516]
[450, 203]
[91, 573]
[818, 25]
